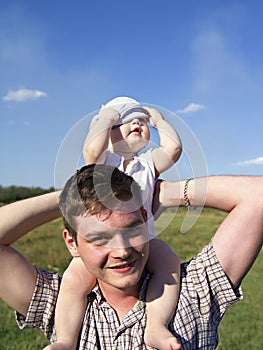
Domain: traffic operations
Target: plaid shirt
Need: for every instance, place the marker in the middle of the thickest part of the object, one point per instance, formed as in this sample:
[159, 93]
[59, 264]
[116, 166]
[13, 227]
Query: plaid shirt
[205, 295]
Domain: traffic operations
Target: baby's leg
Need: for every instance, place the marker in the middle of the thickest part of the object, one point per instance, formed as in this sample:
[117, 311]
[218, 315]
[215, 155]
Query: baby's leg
[162, 296]
[76, 283]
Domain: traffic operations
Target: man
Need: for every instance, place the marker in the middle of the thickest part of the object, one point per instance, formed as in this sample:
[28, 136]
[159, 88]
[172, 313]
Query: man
[106, 226]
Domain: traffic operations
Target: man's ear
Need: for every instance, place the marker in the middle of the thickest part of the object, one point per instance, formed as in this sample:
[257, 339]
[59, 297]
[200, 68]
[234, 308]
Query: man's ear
[144, 214]
[70, 243]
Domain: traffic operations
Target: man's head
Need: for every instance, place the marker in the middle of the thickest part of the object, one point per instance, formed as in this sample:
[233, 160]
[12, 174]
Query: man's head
[97, 189]
[106, 225]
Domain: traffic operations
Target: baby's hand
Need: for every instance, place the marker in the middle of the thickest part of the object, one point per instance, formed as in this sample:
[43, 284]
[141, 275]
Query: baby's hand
[155, 116]
[109, 114]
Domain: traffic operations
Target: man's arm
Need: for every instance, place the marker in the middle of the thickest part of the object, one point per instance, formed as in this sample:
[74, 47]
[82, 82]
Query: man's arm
[170, 148]
[97, 139]
[239, 238]
[17, 275]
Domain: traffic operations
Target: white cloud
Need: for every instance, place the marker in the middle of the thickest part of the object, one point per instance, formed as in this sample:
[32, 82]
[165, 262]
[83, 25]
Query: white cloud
[256, 161]
[10, 123]
[191, 108]
[22, 95]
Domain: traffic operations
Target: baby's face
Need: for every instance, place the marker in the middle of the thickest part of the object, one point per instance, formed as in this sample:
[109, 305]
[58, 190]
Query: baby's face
[134, 134]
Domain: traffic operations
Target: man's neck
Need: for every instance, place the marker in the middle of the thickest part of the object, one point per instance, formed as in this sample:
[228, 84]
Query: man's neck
[121, 300]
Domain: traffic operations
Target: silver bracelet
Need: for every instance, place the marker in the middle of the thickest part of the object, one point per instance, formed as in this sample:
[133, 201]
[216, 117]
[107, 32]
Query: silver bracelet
[186, 199]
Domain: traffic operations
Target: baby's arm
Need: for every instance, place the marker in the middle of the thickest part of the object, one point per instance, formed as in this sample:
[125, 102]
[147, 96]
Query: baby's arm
[170, 148]
[162, 295]
[97, 139]
[76, 284]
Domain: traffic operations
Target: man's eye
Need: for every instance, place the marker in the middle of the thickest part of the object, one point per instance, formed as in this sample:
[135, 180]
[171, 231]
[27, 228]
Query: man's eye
[134, 231]
[100, 240]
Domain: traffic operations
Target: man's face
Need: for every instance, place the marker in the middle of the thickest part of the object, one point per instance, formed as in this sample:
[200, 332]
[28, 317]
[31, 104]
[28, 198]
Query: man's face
[114, 246]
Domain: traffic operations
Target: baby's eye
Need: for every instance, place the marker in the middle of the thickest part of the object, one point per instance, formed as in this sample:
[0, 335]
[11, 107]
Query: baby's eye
[143, 121]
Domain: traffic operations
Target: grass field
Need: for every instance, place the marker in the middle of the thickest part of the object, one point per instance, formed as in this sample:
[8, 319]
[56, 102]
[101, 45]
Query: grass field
[241, 328]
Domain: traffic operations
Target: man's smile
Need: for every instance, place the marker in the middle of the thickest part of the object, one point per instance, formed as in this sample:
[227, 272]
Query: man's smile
[124, 267]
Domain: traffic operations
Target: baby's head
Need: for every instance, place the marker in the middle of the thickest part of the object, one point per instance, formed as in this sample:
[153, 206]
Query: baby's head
[131, 133]
[128, 109]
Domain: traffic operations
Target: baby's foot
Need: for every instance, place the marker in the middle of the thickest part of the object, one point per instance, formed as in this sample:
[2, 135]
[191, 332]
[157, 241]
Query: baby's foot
[161, 338]
[58, 346]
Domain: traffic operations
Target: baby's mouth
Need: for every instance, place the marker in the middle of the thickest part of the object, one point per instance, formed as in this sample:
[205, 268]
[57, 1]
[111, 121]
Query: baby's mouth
[136, 131]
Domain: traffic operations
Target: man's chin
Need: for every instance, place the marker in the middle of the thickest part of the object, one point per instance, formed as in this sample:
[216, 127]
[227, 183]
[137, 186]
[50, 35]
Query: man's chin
[127, 284]
[124, 283]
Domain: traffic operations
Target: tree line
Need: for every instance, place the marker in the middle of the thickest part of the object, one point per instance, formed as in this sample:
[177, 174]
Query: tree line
[14, 193]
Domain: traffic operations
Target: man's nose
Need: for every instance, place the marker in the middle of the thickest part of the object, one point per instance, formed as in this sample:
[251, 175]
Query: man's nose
[120, 247]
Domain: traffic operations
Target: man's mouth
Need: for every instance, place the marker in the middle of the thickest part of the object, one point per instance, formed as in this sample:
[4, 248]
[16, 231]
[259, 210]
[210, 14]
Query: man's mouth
[124, 267]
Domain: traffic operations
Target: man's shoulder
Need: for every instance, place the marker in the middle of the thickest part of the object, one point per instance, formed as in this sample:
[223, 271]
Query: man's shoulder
[205, 282]
[205, 263]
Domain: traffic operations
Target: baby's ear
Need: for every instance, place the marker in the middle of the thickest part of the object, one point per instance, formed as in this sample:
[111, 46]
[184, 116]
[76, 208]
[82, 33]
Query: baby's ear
[70, 243]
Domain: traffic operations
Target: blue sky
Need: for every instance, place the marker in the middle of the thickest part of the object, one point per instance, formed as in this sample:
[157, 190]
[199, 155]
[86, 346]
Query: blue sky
[201, 61]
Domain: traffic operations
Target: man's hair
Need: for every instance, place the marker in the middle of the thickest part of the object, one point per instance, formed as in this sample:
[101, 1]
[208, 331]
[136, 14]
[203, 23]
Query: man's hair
[97, 188]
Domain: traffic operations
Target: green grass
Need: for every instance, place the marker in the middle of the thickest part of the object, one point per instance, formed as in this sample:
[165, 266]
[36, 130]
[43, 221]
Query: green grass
[241, 327]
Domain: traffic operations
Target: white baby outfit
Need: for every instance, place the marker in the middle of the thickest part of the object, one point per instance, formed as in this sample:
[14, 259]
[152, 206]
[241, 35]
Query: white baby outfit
[143, 172]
